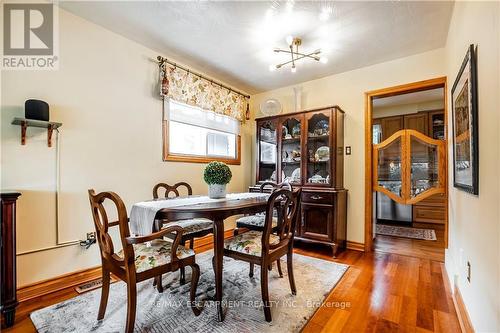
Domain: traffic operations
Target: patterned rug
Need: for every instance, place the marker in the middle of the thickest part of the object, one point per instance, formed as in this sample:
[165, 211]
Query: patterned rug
[168, 312]
[406, 232]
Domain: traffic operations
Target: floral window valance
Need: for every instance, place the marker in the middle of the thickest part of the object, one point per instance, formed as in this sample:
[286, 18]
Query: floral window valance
[186, 87]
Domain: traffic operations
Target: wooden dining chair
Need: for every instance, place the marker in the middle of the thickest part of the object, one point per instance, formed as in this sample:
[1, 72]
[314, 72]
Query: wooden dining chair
[141, 258]
[256, 221]
[264, 247]
[193, 228]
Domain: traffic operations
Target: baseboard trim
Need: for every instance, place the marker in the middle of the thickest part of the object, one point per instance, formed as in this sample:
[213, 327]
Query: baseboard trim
[355, 246]
[73, 279]
[58, 283]
[462, 314]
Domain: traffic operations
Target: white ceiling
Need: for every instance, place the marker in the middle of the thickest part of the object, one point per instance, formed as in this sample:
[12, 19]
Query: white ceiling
[234, 41]
[411, 98]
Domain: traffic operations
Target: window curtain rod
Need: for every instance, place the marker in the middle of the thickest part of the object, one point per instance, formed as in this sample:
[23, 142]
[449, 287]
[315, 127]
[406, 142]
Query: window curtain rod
[162, 60]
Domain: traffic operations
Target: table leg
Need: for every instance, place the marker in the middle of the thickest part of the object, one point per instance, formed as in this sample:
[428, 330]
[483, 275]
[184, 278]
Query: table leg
[218, 258]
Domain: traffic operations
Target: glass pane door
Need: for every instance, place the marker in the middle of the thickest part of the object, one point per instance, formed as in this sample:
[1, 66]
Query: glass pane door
[291, 154]
[268, 151]
[318, 149]
[424, 163]
[389, 173]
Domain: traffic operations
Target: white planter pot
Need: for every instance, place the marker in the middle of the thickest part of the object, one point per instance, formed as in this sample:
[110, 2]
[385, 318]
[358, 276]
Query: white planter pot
[216, 191]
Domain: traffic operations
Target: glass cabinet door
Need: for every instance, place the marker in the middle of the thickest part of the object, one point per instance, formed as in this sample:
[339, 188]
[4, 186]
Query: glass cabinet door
[291, 149]
[318, 149]
[409, 167]
[267, 131]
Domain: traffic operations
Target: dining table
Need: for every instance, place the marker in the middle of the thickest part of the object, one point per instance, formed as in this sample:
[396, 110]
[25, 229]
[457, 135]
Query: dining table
[217, 210]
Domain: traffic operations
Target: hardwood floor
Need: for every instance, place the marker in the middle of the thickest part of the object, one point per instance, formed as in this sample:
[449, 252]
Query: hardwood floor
[381, 292]
[425, 249]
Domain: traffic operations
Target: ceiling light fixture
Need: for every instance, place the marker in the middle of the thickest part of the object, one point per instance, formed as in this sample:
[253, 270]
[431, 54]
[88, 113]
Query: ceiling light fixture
[294, 44]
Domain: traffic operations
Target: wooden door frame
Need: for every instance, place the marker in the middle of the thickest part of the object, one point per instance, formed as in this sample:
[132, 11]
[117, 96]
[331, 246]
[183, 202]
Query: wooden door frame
[439, 82]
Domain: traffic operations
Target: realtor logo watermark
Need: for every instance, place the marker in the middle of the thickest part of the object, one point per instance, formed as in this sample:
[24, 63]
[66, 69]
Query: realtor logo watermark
[30, 36]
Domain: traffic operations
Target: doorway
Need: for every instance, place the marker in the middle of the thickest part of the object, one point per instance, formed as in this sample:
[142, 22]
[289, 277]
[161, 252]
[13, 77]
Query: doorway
[416, 227]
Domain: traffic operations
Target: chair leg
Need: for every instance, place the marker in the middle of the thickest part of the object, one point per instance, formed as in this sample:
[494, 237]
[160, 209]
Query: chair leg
[265, 292]
[104, 294]
[250, 274]
[159, 284]
[131, 306]
[195, 275]
[182, 279]
[191, 243]
[278, 263]
[289, 265]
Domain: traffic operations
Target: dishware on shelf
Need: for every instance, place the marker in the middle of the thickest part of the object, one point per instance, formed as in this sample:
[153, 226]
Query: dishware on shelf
[322, 154]
[317, 179]
[284, 131]
[295, 175]
[296, 131]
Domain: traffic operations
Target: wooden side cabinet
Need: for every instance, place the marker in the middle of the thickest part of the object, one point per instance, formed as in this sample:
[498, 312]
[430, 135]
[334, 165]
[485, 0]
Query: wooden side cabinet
[8, 257]
[323, 218]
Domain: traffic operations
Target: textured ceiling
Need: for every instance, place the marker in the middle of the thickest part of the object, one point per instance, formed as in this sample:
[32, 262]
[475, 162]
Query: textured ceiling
[234, 41]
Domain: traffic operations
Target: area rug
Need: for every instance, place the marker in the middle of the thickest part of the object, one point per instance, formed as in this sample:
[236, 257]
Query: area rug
[168, 311]
[406, 232]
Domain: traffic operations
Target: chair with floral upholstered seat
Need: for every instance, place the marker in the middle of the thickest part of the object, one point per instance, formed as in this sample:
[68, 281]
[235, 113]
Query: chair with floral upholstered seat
[192, 228]
[141, 258]
[264, 247]
[256, 221]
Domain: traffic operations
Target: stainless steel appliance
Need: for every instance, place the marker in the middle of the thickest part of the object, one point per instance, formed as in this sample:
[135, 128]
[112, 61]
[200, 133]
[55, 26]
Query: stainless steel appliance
[388, 209]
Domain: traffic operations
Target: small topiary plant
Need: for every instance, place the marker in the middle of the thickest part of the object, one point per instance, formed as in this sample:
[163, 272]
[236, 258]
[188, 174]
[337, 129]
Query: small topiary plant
[217, 173]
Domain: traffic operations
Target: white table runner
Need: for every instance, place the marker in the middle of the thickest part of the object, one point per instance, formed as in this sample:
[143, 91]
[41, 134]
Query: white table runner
[142, 214]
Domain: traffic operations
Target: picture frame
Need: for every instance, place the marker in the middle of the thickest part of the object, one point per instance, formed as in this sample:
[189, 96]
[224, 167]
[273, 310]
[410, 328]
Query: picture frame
[465, 126]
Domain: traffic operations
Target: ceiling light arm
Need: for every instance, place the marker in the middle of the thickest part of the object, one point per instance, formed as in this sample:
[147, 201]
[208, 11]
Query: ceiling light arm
[310, 55]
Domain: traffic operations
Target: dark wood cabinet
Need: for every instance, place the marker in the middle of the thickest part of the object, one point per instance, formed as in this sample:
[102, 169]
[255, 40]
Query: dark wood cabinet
[306, 149]
[8, 257]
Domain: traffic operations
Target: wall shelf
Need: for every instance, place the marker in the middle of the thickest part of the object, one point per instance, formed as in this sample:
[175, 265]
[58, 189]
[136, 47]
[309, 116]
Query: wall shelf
[25, 123]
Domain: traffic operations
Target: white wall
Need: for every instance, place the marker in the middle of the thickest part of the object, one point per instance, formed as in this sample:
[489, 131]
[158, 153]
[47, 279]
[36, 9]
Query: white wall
[347, 90]
[105, 95]
[475, 220]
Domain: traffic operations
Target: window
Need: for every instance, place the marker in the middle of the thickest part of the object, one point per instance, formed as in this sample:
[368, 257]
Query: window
[195, 135]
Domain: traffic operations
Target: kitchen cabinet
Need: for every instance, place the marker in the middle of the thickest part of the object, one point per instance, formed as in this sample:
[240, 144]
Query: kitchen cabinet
[391, 125]
[418, 122]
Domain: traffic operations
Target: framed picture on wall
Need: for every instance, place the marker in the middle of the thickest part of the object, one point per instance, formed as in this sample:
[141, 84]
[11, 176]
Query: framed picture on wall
[465, 126]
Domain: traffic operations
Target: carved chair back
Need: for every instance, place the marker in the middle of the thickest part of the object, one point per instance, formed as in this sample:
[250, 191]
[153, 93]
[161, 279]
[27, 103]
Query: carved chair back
[171, 189]
[286, 203]
[274, 186]
[102, 225]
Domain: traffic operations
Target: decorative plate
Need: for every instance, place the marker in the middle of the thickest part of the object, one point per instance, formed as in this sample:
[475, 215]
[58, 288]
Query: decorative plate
[296, 175]
[323, 153]
[270, 107]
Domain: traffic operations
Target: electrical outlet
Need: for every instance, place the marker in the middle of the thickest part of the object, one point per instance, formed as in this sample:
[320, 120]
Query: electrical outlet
[468, 271]
[91, 235]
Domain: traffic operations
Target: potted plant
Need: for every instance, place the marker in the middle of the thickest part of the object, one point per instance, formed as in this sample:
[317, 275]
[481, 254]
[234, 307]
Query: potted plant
[217, 175]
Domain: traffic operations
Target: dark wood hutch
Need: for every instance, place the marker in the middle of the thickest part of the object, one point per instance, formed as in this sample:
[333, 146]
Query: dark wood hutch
[306, 149]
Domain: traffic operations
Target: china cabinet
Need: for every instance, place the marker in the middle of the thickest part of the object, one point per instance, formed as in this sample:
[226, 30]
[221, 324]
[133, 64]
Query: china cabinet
[306, 149]
[409, 167]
